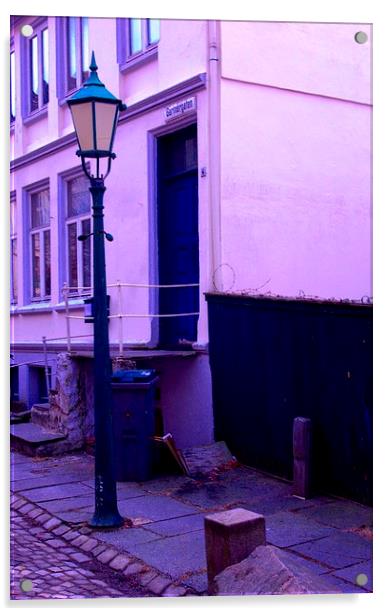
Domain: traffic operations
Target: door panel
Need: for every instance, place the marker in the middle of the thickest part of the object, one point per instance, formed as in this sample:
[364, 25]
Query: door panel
[178, 241]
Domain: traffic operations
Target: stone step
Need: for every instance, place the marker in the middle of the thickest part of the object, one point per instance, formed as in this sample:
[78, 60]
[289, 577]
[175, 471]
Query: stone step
[40, 415]
[33, 440]
[20, 417]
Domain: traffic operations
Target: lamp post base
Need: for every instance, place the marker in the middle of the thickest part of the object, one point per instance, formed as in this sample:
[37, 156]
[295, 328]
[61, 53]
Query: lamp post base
[114, 520]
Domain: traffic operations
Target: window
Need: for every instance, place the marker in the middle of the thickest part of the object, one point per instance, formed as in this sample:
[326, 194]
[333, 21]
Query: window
[12, 103]
[78, 222]
[40, 244]
[74, 58]
[137, 40]
[36, 60]
[13, 254]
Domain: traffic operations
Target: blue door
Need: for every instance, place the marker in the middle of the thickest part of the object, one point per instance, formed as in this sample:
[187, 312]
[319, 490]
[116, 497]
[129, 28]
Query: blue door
[178, 239]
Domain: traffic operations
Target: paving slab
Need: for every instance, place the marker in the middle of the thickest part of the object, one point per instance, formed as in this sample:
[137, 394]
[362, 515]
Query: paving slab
[360, 575]
[286, 529]
[174, 556]
[67, 490]
[161, 485]
[75, 517]
[48, 479]
[339, 550]
[125, 538]
[343, 587]
[154, 508]
[299, 561]
[341, 514]
[177, 526]
[198, 581]
[69, 504]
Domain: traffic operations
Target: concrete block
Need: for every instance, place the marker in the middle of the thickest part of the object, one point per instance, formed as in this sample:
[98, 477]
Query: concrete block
[230, 536]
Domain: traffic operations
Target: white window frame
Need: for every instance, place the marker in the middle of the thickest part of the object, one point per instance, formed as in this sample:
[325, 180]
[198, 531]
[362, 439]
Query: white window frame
[67, 221]
[63, 89]
[148, 51]
[38, 28]
[40, 231]
[12, 85]
[13, 238]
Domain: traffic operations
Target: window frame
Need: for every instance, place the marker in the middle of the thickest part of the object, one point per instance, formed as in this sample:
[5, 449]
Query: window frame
[62, 56]
[29, 297]
[64, 222]
[13, 238]
[38, 26]
[12, 84]
[148, 51]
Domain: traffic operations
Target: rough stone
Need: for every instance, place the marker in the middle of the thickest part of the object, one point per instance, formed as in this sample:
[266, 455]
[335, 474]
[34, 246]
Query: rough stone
[268, 571]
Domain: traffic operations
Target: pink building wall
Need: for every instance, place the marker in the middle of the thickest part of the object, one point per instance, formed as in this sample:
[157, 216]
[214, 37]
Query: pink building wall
[296, 159]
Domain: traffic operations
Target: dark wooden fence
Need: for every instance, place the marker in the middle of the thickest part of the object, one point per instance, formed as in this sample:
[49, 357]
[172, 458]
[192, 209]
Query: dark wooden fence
[276, 359]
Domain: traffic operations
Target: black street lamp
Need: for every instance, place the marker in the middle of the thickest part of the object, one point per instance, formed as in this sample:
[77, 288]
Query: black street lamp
[95, 113]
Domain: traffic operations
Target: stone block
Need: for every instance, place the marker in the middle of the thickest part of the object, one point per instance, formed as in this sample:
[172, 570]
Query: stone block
[230, 536]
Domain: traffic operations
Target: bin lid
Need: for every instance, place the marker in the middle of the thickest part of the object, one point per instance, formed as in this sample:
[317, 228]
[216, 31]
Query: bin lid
[133, 376]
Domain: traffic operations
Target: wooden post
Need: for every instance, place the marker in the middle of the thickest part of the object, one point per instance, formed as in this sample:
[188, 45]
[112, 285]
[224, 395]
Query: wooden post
[302, 457]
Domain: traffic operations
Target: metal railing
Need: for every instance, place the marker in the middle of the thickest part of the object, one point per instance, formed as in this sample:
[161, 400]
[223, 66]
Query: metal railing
[68, 295]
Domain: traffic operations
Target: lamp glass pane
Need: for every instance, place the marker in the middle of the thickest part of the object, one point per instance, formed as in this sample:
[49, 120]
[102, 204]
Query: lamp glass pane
[105, 124]
[83, 124]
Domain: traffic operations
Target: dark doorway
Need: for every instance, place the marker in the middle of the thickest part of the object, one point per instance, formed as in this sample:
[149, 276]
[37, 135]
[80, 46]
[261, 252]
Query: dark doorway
[178, 238]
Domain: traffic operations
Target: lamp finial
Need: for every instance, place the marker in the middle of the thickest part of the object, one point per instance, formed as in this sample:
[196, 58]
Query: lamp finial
[93, 66]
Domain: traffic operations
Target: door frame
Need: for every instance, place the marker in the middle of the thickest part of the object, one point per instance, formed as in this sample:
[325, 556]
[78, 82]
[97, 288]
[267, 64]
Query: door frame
[152, 155]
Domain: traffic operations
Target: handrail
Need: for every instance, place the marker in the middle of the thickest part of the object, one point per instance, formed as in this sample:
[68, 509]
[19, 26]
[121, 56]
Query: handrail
[67, 294]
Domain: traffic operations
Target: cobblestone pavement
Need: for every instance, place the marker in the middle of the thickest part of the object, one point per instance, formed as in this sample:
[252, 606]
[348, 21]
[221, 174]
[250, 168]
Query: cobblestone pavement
[43, 566]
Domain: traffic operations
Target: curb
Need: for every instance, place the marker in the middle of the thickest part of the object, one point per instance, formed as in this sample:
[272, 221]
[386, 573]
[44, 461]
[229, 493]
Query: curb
[152, 580]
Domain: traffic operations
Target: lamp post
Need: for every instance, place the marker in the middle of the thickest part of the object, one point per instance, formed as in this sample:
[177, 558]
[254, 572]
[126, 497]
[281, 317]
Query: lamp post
[95, 114]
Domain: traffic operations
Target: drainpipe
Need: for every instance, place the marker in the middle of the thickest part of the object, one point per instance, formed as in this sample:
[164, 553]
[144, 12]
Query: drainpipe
[216, 278]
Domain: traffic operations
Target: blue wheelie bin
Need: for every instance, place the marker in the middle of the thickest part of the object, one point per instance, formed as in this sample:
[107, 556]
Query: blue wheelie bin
[133, 418]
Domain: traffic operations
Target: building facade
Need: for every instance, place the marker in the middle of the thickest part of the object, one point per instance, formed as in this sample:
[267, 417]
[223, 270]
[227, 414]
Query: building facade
[243, 166]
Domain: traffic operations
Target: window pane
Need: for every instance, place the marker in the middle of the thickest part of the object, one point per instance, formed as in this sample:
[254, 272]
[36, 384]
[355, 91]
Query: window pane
[135, 36]
[35, 247]
[14, 272]
[45, 66]
[46, 239]
[72, 255]
[86, 254]
[34, 80]
[78, 197]
[85, 47]
[40, 209]
[153, 31]
[12, 88]
[72, 52]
